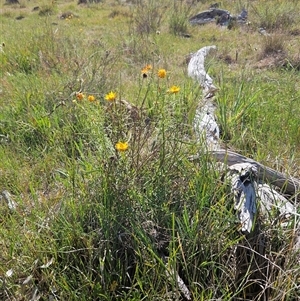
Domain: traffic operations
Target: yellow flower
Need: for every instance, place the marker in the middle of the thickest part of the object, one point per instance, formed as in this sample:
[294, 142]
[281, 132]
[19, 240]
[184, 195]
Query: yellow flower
[174, 89]
[79, 95]
[91, 98]
[162, 73]
[146, 69]
[121, 146]
[111, 96]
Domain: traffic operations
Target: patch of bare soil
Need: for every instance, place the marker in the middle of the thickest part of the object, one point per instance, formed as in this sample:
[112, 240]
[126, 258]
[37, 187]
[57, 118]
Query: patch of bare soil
[227, 59]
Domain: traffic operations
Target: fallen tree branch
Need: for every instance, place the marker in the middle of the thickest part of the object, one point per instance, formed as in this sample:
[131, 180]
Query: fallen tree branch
[246, 190]
[287, 184]
[251, 186]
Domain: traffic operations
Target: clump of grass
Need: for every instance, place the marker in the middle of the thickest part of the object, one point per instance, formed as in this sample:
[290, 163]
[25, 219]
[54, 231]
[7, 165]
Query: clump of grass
[8, 14]
[276, 15]
[293, 62]
[147, 17]
[47, 10]
[178, 21]
[273, 44]
[234, 110]
[178, 25]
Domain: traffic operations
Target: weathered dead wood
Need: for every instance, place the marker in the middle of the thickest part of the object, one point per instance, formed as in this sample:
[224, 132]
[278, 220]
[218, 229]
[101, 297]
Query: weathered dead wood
[12, 205]
[287, 184]
[206, 127]
[248, 179]
[242, 187]
[271, 199]
[196, 69]
[251, 183]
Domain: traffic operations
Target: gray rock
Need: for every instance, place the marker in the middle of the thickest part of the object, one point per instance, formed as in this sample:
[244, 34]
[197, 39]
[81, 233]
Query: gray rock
[208, 16]
[220, 16]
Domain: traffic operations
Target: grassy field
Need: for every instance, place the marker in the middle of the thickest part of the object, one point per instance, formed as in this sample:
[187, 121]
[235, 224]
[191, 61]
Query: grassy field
[108, 205]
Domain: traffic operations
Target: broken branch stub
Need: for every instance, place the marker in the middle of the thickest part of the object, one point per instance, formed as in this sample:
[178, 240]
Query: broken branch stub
[241, 177]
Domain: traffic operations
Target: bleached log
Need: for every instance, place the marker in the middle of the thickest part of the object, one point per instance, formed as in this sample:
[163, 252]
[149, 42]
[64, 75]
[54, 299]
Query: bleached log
[196, 69]
[245, 174]
[207, 131]
[251, 183]
[205, 125]
[287, 184]
[270, 199]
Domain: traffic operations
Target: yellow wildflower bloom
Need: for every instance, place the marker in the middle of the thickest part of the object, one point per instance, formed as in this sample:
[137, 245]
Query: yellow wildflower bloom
[162, 73]
[79, 95]
[121, 146]
[111, 96]
[174, 89]
[146, 69]
[91, 98]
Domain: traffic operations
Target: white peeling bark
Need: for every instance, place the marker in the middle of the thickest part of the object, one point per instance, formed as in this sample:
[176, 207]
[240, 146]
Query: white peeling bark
[205, 124]
[287, 184]
[196, 69]
[270, 199]
[241, 177]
